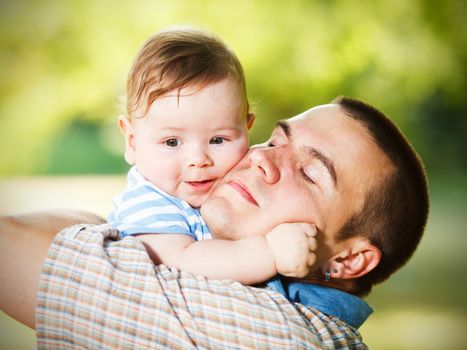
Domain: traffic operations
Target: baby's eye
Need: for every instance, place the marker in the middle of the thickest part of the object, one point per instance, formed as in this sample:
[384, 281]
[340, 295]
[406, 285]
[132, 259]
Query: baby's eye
[217, 140]
[172, 142]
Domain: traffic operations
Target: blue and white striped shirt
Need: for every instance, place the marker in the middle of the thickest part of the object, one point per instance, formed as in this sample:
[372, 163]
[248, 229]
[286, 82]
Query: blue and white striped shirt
[145, 208]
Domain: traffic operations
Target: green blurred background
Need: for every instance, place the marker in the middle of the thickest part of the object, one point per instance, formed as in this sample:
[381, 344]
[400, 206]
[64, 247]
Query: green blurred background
[63, 66]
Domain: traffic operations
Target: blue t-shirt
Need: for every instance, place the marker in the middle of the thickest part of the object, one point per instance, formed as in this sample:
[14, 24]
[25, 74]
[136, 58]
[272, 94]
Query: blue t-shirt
[145, 208]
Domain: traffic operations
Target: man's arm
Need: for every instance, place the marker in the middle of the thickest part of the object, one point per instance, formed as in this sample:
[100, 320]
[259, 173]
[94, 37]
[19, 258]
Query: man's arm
[98, 292]
[24, 242]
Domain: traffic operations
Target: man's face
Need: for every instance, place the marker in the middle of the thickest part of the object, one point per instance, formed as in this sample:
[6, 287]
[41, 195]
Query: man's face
[315, 168]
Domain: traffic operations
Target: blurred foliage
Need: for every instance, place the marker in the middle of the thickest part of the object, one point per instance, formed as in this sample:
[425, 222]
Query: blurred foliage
[64, 63]
[63, 67]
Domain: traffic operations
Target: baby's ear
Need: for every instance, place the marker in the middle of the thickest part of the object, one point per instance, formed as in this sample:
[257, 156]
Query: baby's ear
[250, 119]
[126, 129]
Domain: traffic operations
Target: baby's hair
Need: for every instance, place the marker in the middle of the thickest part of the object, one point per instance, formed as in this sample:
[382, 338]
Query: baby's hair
[177, 58]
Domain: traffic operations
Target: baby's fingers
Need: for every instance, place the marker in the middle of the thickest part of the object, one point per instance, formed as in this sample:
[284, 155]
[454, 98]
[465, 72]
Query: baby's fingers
[311, 259]
[312, 244]
[309, 229]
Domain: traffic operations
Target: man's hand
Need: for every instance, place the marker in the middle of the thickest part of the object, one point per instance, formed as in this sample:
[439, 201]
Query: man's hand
[293, 245]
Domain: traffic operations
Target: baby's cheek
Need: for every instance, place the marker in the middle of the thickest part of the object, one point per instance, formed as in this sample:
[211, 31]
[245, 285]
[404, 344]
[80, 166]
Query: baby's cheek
[228, 165]
[237, 154]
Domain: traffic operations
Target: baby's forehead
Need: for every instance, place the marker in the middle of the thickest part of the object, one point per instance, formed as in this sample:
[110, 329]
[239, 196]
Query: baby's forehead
[230, 91]
[179, 89]
[211, 109]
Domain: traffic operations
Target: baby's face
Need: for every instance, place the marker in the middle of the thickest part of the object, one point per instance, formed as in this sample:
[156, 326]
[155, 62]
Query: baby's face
[185, 144]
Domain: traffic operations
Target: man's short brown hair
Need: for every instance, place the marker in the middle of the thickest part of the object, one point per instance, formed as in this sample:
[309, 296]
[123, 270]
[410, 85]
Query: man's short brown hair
[177, 58]
[395, 211]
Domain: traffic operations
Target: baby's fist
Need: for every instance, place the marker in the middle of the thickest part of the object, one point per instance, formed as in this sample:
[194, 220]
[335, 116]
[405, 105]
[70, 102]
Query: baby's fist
[293, 246]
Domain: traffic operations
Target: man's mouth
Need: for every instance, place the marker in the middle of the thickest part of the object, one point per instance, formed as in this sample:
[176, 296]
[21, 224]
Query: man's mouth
[200, 186]
[243, 191]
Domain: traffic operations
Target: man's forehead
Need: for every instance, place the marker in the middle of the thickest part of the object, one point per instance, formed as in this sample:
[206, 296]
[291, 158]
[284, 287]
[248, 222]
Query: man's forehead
[329, 119]
[317, 111]
[334, 133]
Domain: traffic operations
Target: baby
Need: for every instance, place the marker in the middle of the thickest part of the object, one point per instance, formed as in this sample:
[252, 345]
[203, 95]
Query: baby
[186, 126]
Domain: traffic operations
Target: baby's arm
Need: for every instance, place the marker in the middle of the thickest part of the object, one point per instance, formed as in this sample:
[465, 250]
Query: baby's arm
[285, 250]
[247, 261]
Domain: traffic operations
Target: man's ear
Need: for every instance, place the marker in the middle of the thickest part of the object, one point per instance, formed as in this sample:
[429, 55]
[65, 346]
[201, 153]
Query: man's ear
[357, 261]
[250, 119]
[126, 129]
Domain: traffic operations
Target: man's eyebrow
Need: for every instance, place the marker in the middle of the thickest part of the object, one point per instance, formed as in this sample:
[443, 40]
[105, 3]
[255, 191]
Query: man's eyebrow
[284, 126]
[328, 164]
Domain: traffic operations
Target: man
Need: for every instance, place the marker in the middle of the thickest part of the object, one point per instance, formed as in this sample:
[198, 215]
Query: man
[344, 167]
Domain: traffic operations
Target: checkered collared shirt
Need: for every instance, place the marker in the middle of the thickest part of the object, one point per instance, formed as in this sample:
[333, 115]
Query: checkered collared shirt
[101, 292]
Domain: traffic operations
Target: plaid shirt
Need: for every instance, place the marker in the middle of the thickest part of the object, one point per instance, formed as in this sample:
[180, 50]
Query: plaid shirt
[101, 292]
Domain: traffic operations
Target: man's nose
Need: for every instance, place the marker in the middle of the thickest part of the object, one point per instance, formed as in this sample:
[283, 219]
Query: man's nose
[265, 160]
[198, 157]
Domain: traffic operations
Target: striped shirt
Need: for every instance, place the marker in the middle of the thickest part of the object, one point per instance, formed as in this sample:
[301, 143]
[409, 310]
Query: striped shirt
[145, 208]
[98, 291]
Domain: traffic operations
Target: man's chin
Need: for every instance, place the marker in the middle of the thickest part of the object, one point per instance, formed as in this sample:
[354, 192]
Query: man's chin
[217, 212]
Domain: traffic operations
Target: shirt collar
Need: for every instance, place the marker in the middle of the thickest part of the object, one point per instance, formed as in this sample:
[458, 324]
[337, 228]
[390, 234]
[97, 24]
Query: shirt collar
[349, 308]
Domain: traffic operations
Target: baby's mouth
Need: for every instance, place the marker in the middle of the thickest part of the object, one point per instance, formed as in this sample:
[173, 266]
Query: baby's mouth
[200, 186]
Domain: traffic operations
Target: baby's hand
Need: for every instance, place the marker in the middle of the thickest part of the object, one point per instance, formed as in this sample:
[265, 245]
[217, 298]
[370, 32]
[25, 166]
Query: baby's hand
[293, 246]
